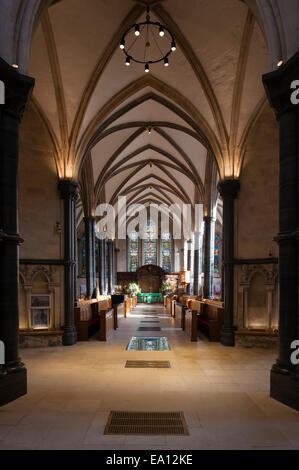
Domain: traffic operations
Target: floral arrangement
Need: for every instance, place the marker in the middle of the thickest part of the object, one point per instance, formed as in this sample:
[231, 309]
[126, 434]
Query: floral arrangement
[133, 288]
[166, 288]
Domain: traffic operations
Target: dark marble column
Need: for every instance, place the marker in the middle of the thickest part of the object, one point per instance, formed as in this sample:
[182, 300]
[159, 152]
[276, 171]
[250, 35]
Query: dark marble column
[69, 193]
[102, 266]
[228, 190]
[76, 258]
[189, 267]
[209, 257]
[13, 381]
[197, 262]
[110, 266]
[285, 374]
[90, 255]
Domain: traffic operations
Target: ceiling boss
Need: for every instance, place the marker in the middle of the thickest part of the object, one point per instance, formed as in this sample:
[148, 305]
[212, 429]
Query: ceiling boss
[148, 43]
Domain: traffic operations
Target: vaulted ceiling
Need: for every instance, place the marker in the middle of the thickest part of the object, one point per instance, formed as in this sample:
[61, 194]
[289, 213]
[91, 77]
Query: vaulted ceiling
[98, 112]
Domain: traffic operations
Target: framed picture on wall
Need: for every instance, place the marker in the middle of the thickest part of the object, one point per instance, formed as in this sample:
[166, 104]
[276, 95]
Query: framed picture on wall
[40, 301]
[40, 318]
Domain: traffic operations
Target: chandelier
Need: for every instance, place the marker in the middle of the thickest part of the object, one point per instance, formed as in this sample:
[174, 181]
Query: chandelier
[148, 43]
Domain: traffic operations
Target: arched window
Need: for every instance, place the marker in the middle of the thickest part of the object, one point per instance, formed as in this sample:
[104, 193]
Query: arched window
[150, 243]
[133, 252]
[217, 255]
[166, 251]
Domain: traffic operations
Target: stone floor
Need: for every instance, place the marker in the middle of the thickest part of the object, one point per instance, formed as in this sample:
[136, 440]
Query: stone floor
[223, 392]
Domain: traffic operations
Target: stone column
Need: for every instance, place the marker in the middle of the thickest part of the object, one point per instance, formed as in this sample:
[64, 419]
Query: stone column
[110, 266]
[13, 381]
[69, 193]
[209, 257]
[90, 254]
[185, 254]
[191, 264]
[102, 266]
[197, 262]
[76, 258]
[228, 190]
[284, 374]
[116, 251]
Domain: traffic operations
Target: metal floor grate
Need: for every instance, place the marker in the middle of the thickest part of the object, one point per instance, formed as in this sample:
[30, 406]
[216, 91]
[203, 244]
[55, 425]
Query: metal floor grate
[149, 328]
[148, 364]
[146, 424]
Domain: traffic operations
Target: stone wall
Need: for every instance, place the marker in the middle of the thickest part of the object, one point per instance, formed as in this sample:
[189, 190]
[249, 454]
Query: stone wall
[256, 297]
[41, 223]
[256, 225]
[43, 280]
[257, 204]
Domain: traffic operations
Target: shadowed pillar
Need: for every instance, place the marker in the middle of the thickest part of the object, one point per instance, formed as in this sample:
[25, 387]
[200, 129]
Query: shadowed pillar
[110, 266]
[228, 189]
[102, 266]
[13, 381]
[209, 257]
[285, 374]
[197, 262]
[90, 255]
[69, 193]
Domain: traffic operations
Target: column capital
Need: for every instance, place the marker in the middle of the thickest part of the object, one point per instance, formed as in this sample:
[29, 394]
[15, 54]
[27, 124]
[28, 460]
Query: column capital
[68, 189]
[278, 86]
[229, 189]
[18, 89]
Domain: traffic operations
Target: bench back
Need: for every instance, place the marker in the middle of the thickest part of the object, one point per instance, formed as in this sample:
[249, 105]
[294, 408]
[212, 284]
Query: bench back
[212, 312]
[85, 310]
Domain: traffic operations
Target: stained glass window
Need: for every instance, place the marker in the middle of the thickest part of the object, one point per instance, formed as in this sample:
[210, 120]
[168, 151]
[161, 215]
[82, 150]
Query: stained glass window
[150, 243]
[166, 251]
[133, 252]
[217, 255]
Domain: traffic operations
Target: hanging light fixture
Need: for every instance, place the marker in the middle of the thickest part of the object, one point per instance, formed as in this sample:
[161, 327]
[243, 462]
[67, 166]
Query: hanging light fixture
[148, 43]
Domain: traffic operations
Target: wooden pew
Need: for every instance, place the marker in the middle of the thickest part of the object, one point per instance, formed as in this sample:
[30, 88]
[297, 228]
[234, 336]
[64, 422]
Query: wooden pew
[107, 323]
[179, 316]
[127, 306]
[210, 317]
[173, 302]
[87, 320]
[87, 316]
[118, 304]
[191, 324]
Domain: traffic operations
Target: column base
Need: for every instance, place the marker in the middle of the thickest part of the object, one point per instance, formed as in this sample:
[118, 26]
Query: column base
[13, 385]
[284, 387]
[69, 337]
[227, 337]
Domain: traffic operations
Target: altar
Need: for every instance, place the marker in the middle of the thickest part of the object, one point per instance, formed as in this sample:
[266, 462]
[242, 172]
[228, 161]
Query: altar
[150, 298]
